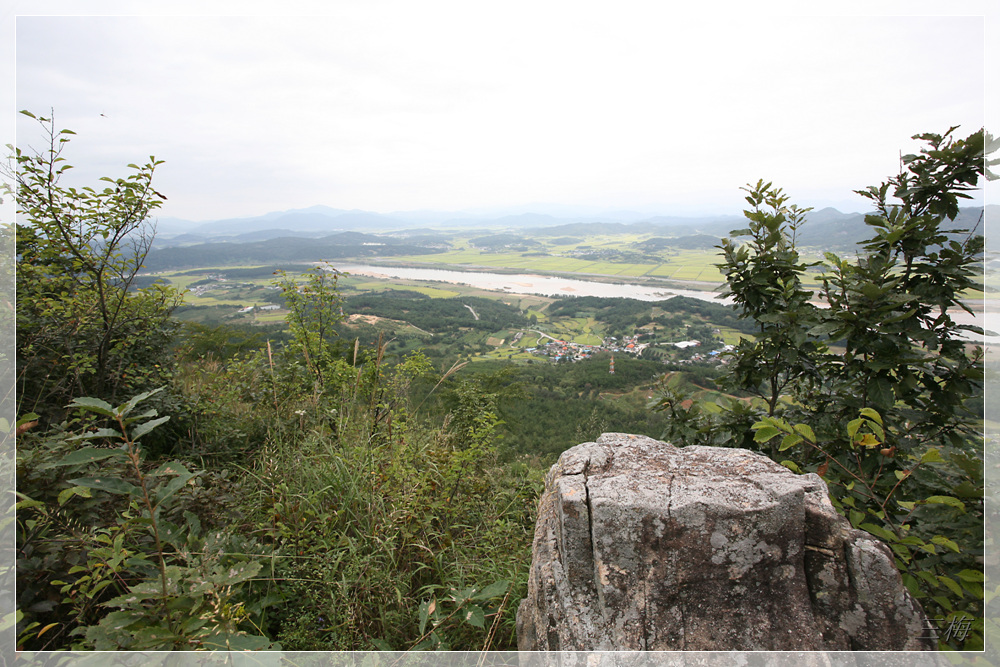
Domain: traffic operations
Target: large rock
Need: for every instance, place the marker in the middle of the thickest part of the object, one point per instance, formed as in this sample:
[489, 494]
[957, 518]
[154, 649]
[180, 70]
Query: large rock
[641, 545]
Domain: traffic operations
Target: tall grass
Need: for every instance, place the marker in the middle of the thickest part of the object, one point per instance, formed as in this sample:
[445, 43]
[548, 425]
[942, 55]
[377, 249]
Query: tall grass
[376, 509]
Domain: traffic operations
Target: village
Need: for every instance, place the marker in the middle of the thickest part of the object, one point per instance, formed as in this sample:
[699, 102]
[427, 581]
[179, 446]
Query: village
[560, 350]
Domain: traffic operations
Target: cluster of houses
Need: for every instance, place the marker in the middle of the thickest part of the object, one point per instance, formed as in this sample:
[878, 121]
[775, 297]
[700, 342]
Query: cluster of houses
[713, 355]
[250, 309]
[557, 350]
[560, 349]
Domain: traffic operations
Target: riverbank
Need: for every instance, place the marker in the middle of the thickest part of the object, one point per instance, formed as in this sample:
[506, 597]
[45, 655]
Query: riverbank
[986, 313]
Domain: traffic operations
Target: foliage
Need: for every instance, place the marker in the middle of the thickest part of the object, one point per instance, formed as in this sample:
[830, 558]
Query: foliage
[220, 341]
[883, 357]
[763, 276]
[621, 316]
[326, 491]
[170, 585]
[314, 309]
[80, 331]
[437, 315]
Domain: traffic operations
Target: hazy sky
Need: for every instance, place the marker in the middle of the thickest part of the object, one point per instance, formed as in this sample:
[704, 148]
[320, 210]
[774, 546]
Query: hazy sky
[387, 105]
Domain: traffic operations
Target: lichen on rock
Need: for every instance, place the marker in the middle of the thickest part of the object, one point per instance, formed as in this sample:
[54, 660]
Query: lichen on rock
[640, 545]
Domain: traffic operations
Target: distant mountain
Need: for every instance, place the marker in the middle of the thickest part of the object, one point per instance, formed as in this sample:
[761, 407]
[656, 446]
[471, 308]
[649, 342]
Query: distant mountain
[283, 249]
[326, 220]
[830, 229]
[584, 229]
[716, 224]
[165, 241]
[315, 219]
[826, 228]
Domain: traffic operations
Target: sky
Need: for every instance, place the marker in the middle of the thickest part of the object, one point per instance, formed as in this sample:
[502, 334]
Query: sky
[398, 106]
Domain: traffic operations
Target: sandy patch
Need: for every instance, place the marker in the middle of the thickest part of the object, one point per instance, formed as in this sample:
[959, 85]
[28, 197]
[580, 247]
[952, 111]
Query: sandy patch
[367, 319]
[568, 289]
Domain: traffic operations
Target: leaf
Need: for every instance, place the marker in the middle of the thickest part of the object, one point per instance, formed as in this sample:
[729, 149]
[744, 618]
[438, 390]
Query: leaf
[853, 426]
[52, 625]
[493, 590]
[931, 456]
[945, 542]
[128, 406]
[871, 414]
[912, 585]
[99, 433]
[713, 408]
[169, 468]
[173, 486]
[474, 616]
[765, 433]
[869, 440]
[974, 589]
[89, 455]
[877, 430]
[806, 432]
[109, 484]
[146, 427]
[238, 573]
[929, 578]
[971, 575]
[825, 328]
[879, 531]
[951, 585]
[946, 500]
[424, 614]
[465, 594]
[967, 490]
[789, 440]
[881, 393]
[93, 405]
[943, 601]
[791, 465]
[66, 494]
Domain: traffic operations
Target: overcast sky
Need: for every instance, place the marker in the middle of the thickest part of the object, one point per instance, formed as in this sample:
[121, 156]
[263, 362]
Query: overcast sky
[388, 106]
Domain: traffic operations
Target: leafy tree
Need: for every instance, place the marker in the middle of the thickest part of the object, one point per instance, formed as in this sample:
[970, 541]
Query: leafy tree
[870, 390]
[764, 277]
[82, 328]
[314, 309]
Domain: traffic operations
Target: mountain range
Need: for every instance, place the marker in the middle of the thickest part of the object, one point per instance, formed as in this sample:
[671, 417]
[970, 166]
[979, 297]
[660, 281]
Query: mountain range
[320, 232]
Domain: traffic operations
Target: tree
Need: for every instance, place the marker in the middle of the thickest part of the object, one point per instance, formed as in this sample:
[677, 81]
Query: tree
[314, 309]
[870, 390]
[83, 329]
[764, 277]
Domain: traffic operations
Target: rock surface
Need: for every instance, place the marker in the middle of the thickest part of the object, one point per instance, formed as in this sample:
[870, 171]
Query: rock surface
[640, 545]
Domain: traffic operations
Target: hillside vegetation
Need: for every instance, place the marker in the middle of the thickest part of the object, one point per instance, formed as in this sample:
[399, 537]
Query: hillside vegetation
[357, 466]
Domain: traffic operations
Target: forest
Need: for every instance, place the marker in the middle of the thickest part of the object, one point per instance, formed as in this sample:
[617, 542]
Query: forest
[319, 484]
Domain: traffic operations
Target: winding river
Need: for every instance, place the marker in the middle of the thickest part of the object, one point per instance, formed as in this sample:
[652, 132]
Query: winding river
[524, 283]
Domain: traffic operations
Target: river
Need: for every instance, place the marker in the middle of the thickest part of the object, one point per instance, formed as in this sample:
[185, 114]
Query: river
[526, 283]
